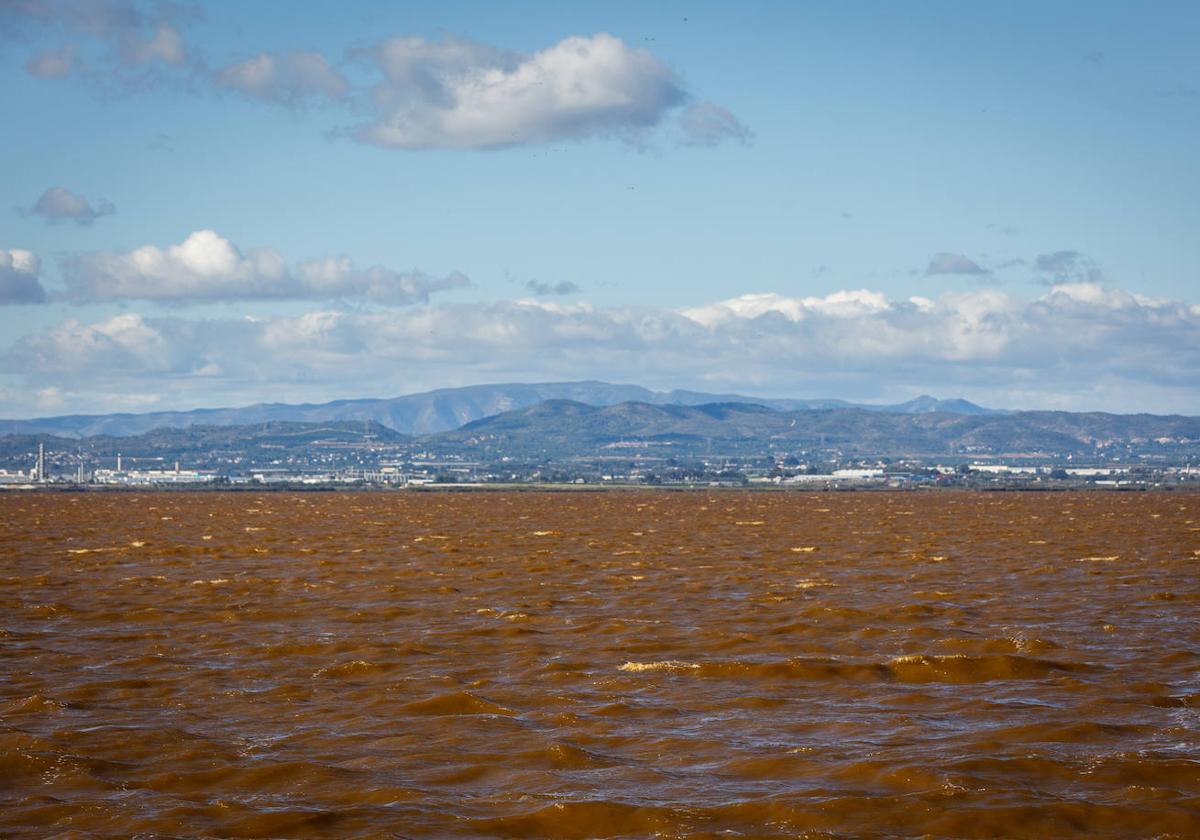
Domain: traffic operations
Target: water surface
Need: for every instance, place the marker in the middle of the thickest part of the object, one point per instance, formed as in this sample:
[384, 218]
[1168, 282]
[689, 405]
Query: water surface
[696, 664]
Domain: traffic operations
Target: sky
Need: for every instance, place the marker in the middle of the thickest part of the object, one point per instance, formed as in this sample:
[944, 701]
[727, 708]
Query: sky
[222, 203]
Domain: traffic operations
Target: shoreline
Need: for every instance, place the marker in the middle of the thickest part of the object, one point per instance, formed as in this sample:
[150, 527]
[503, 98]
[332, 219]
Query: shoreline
[584, 488]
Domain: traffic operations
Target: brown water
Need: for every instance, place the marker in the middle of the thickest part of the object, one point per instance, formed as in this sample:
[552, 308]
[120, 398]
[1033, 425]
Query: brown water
[598, 665]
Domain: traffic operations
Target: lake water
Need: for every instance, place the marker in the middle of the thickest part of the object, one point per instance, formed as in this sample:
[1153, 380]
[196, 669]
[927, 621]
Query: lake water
[622, 664]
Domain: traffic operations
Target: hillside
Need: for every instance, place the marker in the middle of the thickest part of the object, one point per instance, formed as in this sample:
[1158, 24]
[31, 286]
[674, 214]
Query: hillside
[562, 428]
[432, 411]
[198, 445]
[565, 429]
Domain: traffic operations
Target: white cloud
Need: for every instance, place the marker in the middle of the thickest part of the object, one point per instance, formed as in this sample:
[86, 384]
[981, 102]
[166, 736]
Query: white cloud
[1093, 294]
[123, 344]
[460, 94]
[1062, 349]
[205, 266]
[336, 277]
[290, 79]
[19, 277]
[50, 399]
[847, 303]
[451, 93]
[59, 203]
[208, 267]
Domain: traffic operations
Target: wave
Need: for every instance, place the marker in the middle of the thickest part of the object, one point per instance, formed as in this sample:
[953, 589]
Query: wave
[454, 703]
[354, 668]
[919, 668]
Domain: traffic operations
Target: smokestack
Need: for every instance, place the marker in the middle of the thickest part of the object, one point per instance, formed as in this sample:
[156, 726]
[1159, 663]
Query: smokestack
[118, 462]
[41, 463]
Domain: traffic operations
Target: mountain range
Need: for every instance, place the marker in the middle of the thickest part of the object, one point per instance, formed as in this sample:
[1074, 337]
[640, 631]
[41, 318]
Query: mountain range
[554, 430]
[560, 428]
[445, 409]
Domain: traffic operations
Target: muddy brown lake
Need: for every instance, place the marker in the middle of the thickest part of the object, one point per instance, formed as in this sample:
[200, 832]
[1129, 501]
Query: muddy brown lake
[621, 664]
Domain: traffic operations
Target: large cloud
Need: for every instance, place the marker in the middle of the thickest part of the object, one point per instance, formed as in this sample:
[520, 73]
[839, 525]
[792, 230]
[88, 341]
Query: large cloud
[59, 203]
[446, 93]
[208, 267]
[460, 94]
[19, 277]
[1078, 346]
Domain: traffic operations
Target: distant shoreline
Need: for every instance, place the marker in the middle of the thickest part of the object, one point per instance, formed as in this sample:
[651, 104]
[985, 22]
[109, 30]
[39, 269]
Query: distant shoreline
[581, 488]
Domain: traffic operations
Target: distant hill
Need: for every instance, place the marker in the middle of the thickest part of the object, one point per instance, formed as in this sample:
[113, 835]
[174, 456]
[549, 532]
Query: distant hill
[564, 429]
[559, 428]
[438, 411]
[203, 440]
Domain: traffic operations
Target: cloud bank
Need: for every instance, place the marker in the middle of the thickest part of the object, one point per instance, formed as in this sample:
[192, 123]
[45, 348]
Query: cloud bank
[207, 267]
[1079, 346]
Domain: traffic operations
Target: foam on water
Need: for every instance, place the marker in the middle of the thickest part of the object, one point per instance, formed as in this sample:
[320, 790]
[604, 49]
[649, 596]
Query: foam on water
[666, 665]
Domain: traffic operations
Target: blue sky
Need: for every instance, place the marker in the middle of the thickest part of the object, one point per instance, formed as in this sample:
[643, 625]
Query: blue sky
[221, 203]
